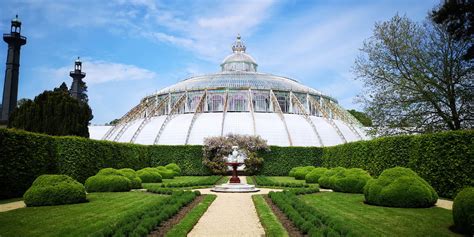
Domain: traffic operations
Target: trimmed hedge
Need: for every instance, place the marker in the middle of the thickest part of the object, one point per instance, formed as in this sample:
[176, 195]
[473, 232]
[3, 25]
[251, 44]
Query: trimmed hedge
[313, 176]
[445, 159]
[326, 180]
[263, 181]
[132, 175]
[149, 175]
[174, 167]
[108, 183]
[165, 173]
[463, 211]
[350, 181]
[49, 190]
[400, 187]
[301, 172]
[280, 160]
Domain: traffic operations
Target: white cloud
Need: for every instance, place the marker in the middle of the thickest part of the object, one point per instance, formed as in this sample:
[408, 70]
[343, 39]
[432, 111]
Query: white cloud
[98, 71]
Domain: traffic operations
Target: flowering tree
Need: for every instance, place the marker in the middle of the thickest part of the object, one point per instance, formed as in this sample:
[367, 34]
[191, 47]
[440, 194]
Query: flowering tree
[215, 150]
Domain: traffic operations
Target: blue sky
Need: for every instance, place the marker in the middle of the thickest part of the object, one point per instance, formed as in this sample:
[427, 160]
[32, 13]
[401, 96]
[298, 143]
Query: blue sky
[133, 48]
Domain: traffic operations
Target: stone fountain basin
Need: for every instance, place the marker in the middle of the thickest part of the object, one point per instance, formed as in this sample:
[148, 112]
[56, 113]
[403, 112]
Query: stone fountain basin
[235, 188]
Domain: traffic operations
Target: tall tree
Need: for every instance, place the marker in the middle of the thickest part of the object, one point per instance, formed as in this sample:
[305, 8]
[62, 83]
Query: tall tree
[54, 113]
[458, 17]
[415, 79]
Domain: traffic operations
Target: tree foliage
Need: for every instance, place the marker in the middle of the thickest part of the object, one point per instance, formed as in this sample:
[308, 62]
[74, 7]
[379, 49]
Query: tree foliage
[215, 149]
[54, 113]
[458, 17]
[415, 79]
[362, 117]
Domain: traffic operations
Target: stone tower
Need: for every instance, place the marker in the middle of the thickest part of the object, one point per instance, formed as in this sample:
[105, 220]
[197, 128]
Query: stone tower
[77, 87]
[10, 89]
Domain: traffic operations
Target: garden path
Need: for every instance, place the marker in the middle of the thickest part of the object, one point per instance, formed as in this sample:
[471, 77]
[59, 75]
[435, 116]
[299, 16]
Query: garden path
[231, 214]
[11, 206]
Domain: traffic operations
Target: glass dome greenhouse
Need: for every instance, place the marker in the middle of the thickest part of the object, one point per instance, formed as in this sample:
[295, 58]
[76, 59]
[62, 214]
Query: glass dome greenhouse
[237, 100]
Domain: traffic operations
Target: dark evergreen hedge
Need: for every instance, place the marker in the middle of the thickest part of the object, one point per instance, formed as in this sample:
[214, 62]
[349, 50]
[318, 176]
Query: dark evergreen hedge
[445, 160]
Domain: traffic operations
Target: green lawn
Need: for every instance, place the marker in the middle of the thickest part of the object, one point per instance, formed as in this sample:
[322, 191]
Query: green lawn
[284, 179]
[83, 219]
[367, 220]
[182, 179]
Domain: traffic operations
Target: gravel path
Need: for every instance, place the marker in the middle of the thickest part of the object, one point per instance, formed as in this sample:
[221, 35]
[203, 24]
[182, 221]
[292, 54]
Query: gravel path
[231, 214]
[11, 206]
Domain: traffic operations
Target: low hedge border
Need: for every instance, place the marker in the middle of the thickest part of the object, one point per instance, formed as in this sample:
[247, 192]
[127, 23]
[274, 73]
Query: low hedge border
[211, 180]
[263, 181]
[307, 219]
[141, 222]
[269, 221]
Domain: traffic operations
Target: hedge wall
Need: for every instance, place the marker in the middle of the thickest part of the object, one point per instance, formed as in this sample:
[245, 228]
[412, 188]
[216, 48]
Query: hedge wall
[280, 160]
[445, 160]
[23, 157]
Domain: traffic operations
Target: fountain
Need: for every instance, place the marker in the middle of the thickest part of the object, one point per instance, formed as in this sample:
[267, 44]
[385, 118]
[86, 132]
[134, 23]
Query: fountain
[234, 160]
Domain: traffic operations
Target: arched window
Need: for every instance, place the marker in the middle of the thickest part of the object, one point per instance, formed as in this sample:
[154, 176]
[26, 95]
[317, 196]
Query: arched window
[193, 101]
[238, 102]
[260, 102]
[283, 101]
[215, 103]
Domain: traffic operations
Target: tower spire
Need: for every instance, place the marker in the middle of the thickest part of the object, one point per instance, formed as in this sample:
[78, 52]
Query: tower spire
[10, 89]
[78, 86]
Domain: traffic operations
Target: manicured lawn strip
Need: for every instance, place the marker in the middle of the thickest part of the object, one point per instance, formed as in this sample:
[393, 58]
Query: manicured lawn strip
[366, 220]
[273, 181]
[306, 218]
[285, 179]
[188, 222]
[5, 201]
[190, 181]
[223, 180]
[103, 210]
[269, 221]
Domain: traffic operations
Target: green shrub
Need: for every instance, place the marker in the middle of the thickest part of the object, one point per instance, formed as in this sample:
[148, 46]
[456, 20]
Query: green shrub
[301, 172]
[49, 190]
[326, 180]
[293, 170]
[313, 176]
[400, 187]
[132, 175]
[108, 183]
[280, 160]
[174, 167]
[149, 175]
[463, 211]
[264, 181]
[165, 173]
[350, 180]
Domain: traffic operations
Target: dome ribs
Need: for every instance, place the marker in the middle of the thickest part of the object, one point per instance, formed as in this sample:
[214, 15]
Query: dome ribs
[346, 117]
[161, 105]
[224, 112]
[306, 116]
[196, 114]
[327, 118]
[280, 114]
[170, 116]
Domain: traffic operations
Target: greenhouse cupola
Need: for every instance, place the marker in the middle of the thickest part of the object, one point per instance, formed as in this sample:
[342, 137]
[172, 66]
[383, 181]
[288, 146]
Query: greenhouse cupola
[239, 60]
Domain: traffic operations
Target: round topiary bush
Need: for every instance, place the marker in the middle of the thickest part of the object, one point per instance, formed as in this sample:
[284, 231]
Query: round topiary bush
[301, 172]
[313, 176]
[293, 170]
[149, 175]
[108, 183]
[350, 181]
[109, 171]
[400, 187]
[132, 175]
[326, 180]
[174, 167]
[463, 211]
[49, 190]
[165, 173]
